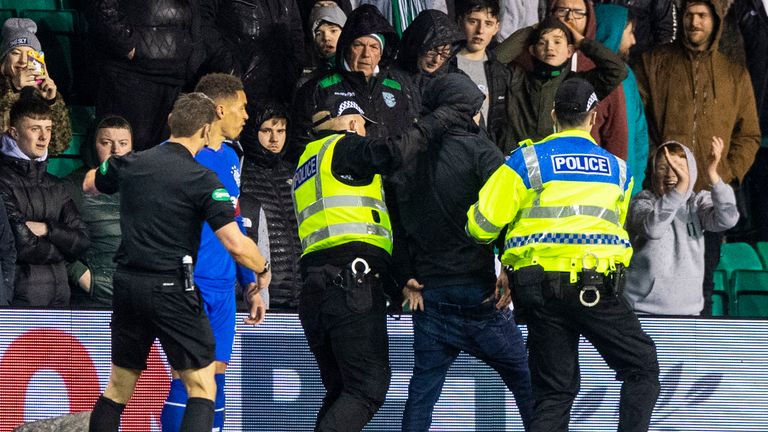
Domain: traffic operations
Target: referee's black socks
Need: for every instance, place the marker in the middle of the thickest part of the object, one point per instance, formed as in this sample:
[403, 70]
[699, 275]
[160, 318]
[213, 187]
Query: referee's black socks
[198, 417]
[106, 415]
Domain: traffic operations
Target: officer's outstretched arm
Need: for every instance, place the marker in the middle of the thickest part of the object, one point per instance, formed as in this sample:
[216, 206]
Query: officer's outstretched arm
[242, 248]
[497, 205]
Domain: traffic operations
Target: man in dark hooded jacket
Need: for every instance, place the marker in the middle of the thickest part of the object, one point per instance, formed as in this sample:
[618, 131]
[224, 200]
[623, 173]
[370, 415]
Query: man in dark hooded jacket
[427, 47]
[267, 205]
[365, 52]
[449, 279]
[346, 236]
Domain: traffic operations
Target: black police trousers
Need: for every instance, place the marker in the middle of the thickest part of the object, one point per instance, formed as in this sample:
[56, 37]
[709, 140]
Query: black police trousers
[346, 329]
[554, 327]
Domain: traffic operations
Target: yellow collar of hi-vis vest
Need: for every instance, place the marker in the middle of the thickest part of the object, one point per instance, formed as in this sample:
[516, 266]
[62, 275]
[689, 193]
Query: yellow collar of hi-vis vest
[330, 212]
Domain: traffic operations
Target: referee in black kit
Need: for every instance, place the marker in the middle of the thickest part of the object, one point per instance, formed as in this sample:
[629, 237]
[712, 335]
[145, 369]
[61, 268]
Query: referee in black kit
[164, 198]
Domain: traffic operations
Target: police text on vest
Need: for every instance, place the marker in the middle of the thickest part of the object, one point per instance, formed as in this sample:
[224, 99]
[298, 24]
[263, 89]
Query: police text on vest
[581, 164]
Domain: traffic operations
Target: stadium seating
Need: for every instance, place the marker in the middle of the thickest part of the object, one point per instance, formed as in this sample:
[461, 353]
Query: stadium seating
[733, 257]
[7, 13]
[750, 289]
[81, 118]
[738, 256]
[762, 252]
[721, 296]
[30, 4]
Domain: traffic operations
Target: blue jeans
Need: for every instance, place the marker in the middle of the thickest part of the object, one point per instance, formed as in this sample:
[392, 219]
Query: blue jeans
[455, 319]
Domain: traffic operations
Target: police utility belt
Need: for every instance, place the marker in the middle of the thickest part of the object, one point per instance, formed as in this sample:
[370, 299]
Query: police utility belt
[529, 288]
[359, 284]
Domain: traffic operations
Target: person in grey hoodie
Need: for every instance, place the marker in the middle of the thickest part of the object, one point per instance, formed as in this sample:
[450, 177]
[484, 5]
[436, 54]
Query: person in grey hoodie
[666, 226]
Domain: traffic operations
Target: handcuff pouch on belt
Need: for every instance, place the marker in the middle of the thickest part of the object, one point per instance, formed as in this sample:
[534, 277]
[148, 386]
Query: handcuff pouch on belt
[357, 280]
[591, 283]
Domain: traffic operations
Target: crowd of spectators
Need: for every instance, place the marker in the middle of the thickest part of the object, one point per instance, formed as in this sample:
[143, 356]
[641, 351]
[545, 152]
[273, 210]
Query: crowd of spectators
[673, 97]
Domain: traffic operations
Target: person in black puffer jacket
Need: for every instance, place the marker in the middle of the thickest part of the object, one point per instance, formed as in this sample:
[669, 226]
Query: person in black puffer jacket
[46, 224]
[147, 51]
[265, 200]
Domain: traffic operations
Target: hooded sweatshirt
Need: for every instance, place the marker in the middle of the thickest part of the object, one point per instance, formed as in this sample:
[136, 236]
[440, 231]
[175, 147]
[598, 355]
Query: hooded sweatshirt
[667, 233]
[430, 29]
[611, 21]
[442, 183]
[692, 96]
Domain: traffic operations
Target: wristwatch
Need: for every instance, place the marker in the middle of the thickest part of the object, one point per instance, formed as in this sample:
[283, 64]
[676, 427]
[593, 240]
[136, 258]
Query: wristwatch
[267, 267]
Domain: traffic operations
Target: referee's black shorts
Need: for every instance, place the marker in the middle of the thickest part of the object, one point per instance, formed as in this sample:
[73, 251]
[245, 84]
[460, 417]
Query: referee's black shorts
[148, 306]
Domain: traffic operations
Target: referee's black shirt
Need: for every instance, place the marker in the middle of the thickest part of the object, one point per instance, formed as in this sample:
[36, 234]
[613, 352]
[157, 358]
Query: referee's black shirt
[165, 196]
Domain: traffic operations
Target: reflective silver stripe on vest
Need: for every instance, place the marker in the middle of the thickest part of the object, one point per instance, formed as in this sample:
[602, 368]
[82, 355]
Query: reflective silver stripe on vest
[318, 177]
[484, 223]
[622, 176]
[341, 201]
[359, 228]
[534, 170]
[574, 210]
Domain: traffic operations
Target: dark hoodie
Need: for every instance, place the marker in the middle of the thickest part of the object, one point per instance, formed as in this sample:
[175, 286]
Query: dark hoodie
[430, 29]
[266, 200]
[386, 98]
[610, 131]
[442, 185]
[691, 96]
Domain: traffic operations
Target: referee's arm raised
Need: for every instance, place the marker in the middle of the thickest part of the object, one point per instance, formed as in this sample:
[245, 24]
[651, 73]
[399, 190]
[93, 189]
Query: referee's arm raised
[242, 248]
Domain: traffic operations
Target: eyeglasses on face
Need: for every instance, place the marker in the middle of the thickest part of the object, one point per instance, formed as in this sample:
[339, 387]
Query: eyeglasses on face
[434, 54]
[575, 14]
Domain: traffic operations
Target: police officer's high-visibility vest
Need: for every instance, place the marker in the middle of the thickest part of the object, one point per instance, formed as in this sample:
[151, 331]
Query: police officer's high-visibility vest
[331, 213]
[565, 200]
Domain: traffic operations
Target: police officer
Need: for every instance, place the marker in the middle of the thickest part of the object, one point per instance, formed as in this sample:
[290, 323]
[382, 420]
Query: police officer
[346, 238]
[564, 201]
[165, 197]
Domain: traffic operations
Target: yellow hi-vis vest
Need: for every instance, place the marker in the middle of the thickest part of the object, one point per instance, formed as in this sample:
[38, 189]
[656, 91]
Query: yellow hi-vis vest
[565, 200]
[331, 213]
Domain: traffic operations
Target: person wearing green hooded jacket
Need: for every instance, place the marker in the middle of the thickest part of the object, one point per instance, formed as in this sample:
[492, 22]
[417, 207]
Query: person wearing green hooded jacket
[615, 30]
